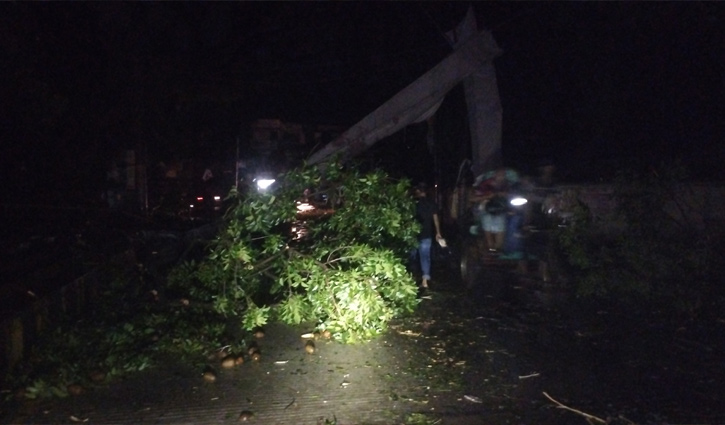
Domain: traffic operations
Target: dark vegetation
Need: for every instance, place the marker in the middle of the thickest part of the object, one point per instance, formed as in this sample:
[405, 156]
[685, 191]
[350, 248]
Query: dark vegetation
[658, 252]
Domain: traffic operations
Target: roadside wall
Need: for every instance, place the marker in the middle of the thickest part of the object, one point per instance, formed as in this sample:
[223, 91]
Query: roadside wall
[20, 332]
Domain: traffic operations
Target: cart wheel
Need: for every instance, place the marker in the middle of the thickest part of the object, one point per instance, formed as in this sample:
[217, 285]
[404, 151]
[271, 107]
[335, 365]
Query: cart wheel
[555, 271]
[471, 262]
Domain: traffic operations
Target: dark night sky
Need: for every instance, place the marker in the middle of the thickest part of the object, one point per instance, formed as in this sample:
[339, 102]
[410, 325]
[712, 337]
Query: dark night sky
[592, 85]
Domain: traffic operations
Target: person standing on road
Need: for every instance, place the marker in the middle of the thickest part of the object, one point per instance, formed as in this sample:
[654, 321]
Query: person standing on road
[542, 244]
[426, 213]
[491, 192]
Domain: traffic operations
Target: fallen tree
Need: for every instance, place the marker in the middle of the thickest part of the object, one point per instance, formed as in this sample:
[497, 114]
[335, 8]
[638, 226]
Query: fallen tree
[347, 274]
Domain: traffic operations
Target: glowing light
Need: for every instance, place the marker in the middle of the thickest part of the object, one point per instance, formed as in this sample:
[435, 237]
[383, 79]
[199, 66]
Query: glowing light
[304, 207]
[518, 201]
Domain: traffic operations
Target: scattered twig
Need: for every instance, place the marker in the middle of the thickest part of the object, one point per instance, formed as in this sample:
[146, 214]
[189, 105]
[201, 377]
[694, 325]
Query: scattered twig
[292, 403]
[533, 375]
[472, 399]
[693, 345]
[626, 420]
[579, 412]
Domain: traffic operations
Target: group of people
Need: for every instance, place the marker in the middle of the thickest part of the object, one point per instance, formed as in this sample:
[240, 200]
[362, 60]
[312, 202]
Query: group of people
[501, 220]
[491, 203]
[501, 217]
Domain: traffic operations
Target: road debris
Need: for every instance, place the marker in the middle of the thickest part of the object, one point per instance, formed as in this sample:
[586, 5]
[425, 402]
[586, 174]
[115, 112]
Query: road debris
[245, 416]
[292, 403]
[472, 399]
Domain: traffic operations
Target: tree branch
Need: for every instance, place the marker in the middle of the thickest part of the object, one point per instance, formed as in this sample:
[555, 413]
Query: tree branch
[579, 412]
[300, 255]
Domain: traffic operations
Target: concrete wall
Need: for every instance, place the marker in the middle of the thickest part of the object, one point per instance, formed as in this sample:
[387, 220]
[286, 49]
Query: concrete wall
[18, 333]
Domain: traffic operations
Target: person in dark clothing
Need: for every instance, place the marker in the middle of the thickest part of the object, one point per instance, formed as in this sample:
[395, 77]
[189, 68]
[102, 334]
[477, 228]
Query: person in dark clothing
[114, 186]
[542, 243]
[426, 213]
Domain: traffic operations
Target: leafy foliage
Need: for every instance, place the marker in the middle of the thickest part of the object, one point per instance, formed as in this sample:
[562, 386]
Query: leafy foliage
[660, 254]
[131, 330]
[347, 273]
